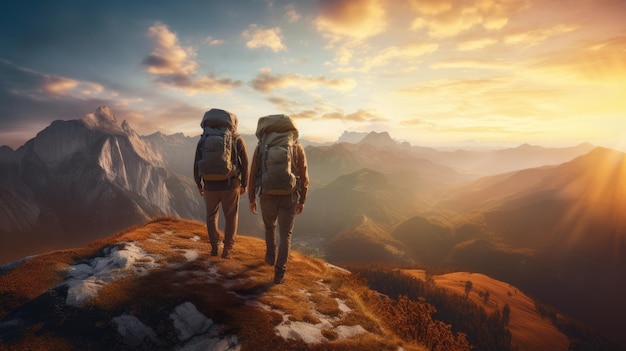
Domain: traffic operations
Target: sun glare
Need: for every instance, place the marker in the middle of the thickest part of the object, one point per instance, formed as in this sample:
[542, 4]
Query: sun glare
[598, 215]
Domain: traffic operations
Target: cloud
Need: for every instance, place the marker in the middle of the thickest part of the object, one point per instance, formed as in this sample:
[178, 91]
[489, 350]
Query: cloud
[536, 36]
[487, 64]
[259, 37]
[31, 100]
[403, 54]
[590, 61]
[358, 116]
[266, 82]
[174, 67]
[291, 13]
[476, 44]
[167, 56]
[25, 82]
[356, 19]
[212, 41]
[442, 19]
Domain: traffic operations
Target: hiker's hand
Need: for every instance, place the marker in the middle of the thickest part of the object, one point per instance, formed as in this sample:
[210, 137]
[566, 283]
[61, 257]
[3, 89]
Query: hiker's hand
[201, 191]
[299, 208]
[253, 207]
[242, 190]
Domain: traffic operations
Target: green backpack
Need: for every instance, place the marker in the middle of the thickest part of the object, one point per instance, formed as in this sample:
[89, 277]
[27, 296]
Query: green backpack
[219, 159]
[277, 136]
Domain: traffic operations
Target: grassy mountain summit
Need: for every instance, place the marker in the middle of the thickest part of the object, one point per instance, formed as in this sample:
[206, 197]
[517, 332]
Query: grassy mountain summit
[156, 287]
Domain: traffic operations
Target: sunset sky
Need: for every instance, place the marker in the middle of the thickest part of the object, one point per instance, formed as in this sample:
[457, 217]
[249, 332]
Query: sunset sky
[432, 72]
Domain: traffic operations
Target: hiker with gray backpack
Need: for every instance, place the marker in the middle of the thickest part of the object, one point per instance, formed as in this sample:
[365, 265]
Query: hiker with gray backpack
[220, 171]
[279, 175]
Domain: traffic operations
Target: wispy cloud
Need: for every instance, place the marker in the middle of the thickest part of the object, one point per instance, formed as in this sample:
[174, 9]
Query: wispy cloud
[266, 82]
[537, 35]
[441, 18]
[212, 41]
[22, 81]
[292, 13]
[259, 37]
[360, 115]
[174, 66]
[589, 61]
[406, 54]
[476, 44]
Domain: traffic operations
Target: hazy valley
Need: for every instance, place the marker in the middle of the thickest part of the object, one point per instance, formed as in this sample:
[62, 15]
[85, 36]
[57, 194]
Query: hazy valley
[548, 221]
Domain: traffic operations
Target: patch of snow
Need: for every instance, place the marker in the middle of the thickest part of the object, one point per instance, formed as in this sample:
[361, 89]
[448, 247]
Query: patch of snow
[343, 270]
[342, 306]
[344, 331]
[195, 238]
[11, 265]
[199, 333]
[133, 330]
[307, 332]
[86, 279]
[190, 255]
[189, 321]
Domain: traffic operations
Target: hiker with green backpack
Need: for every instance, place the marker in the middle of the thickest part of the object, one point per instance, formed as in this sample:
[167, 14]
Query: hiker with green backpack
[220, 171]
[279, 175]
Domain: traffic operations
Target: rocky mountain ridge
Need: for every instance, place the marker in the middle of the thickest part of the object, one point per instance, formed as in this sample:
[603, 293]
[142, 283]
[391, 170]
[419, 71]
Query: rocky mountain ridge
[86, 178]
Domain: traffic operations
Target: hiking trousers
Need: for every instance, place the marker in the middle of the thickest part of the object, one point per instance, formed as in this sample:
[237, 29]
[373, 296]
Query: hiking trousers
[229, 199]
[281, 210]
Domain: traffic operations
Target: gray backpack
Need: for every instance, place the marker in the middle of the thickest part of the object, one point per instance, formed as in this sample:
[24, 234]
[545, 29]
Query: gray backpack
[277, 136]
[219, 159]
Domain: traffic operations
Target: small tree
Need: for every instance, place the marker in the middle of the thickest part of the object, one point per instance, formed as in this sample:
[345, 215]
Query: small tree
[486, 297]
[468, 288]
[506, 314]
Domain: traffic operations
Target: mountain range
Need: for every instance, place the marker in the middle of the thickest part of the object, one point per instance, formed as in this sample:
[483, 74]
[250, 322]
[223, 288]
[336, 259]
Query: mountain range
[548, 220]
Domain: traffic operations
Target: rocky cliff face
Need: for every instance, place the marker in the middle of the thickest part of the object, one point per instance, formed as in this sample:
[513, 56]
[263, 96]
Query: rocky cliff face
[86, 178]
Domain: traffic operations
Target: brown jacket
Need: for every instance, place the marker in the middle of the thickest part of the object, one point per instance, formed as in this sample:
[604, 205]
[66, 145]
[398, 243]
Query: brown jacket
[302, 173]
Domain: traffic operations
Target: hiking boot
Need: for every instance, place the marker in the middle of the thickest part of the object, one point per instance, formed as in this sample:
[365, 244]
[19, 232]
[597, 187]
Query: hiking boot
[214, 251]
[226, 254]
[270, 258]
[279, 277]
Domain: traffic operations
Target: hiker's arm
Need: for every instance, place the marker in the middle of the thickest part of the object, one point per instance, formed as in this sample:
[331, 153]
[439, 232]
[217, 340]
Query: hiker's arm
[252, 177]
[243, 159]
[303, 173]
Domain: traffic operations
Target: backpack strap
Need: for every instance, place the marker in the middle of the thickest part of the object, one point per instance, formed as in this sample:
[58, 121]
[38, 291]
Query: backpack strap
[261, 157]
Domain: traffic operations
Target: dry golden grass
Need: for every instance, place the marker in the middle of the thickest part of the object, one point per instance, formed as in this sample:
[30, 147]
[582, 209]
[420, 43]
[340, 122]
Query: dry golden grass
[529, 330]
[221, 289]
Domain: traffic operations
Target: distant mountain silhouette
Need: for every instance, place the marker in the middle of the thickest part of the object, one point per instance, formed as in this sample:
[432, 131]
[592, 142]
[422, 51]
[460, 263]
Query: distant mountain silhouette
[556, 231]
[380, 140]
[344, 203]
[366, 240]
[490, 162]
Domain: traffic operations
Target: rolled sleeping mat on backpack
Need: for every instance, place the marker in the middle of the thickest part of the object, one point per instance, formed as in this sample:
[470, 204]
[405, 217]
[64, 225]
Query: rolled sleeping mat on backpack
[276, 124]
[216, 118]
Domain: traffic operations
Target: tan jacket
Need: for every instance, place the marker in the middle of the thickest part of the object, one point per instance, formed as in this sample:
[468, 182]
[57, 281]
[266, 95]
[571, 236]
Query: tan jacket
[302, 173]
